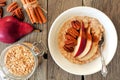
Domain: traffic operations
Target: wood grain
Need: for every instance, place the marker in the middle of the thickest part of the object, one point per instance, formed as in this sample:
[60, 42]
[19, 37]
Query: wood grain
[111, 9]
[48, 70]
[55, 8]
[41, 71]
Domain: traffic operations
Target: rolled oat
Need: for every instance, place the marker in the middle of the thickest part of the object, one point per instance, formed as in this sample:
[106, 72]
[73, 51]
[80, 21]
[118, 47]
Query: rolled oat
[19, 60]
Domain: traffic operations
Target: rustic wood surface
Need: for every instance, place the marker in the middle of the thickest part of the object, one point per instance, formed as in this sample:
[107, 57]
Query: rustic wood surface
[48, 70]
[55, 8]
[41, 71]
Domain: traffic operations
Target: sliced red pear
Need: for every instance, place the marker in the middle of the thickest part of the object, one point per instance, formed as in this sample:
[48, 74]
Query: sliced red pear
[88, 44]
[91, 53]
[81, 42]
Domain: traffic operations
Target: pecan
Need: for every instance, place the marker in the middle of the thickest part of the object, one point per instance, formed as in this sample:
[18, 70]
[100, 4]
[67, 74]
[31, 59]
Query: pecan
[76, 24]
[15, 10]
[2, 1]
[68, 49]
[18, 13]
[2, 4]
[1, 12]
[71, 43]
[69, 37]
[73, 32]
[12, 7]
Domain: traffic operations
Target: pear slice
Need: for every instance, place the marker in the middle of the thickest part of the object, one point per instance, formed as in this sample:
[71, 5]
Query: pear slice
[81, 42]
[88, 44]
[91, 53]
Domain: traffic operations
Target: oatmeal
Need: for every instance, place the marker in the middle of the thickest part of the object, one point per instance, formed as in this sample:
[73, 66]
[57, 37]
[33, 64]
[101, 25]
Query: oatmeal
[19, 60]
[92, 30]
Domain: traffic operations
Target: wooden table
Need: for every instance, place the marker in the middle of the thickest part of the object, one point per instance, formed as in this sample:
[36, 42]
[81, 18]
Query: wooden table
[48, 70]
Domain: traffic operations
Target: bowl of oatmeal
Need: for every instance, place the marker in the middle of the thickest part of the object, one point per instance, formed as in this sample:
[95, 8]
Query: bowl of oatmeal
[65, 38]
[78, 39]
[19, 61]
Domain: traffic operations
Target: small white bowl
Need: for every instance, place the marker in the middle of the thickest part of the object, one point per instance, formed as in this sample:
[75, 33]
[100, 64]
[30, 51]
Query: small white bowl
[110, 41]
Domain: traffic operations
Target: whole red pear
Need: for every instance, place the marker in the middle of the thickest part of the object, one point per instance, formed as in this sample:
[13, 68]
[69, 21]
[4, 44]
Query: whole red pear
[12, 29]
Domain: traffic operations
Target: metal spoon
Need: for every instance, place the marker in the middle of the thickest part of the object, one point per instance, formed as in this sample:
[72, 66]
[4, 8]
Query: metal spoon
[104, 68]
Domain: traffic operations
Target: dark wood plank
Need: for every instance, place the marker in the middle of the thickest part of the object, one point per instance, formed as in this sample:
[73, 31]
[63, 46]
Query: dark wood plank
[55, 7]
[111, 8]
[41, 71]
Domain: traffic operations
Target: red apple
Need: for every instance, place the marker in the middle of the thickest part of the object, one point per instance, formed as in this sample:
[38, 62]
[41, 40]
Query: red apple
[88, 44]
[81, 42]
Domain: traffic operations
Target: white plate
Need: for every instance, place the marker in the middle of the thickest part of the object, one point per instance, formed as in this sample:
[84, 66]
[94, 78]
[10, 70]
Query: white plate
[110, 41]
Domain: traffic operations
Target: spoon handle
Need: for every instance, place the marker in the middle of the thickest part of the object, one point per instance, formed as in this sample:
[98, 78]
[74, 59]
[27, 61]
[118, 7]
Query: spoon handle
[104, 70]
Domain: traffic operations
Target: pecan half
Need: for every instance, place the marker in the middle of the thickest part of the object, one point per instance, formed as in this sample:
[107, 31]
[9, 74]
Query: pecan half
[71, 43]
[18, 13]
[2, 1]
[15, 10]
[12, 7]
[69, 37]
[73, 32]
[76, 24]
[1, 12]
[68, 49]
[2, 4]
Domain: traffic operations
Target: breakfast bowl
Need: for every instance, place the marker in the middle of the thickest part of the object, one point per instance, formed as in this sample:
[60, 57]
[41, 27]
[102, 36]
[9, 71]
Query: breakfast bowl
[94, 65]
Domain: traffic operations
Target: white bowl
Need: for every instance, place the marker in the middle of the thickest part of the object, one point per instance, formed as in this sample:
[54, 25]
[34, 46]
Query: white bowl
[110, 41]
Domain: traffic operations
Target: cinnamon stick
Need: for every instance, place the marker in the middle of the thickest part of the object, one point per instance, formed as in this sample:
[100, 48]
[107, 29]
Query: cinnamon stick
[38, 16]
[32, 12]
[35, 13]
[41, 14]
[27, 10]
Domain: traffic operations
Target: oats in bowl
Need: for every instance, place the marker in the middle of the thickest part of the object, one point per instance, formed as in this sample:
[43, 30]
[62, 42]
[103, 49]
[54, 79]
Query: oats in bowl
[78, 39]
